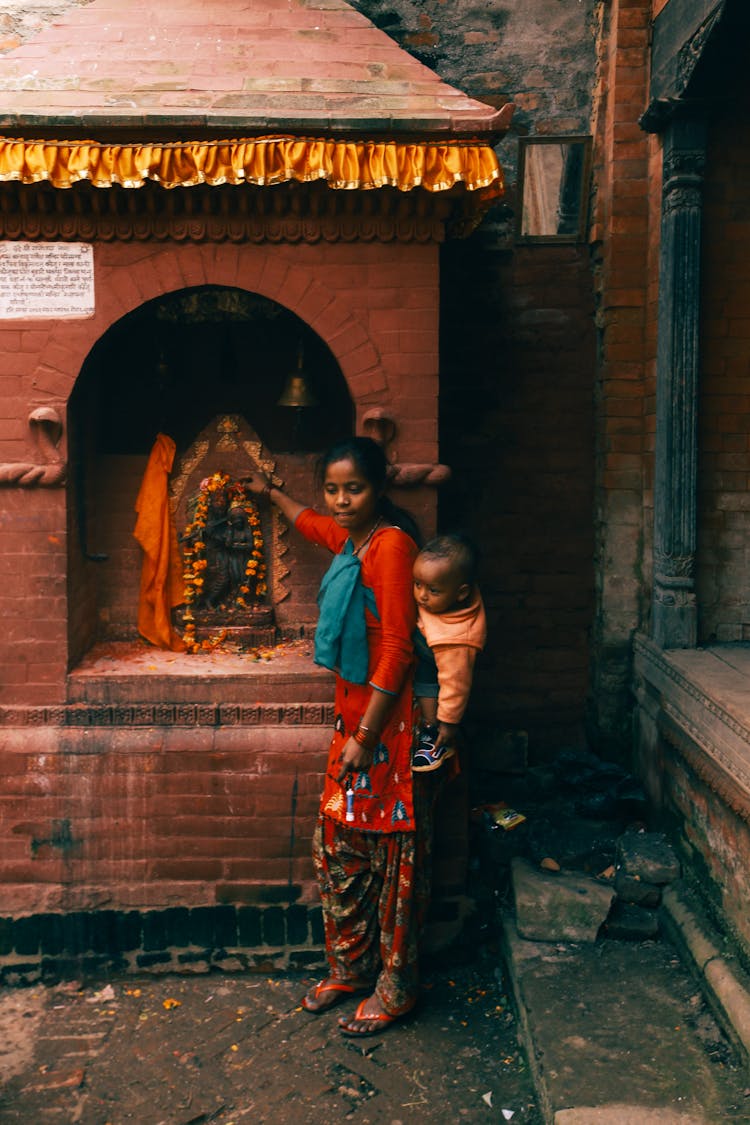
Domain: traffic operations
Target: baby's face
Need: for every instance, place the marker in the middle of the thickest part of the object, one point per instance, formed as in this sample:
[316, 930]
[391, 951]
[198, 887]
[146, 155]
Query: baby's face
[438, 588]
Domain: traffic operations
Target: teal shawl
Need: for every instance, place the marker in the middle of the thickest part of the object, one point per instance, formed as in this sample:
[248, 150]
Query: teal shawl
[341, 633]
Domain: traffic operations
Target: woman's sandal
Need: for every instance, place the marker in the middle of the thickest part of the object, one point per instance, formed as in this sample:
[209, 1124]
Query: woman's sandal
[339, 989]
[381, 1020]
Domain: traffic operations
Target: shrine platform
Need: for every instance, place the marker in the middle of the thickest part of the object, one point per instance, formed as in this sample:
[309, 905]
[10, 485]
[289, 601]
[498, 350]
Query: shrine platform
[692, 740]
[134, 672]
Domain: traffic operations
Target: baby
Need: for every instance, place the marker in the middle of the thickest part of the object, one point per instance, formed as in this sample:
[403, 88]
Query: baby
[451, 629]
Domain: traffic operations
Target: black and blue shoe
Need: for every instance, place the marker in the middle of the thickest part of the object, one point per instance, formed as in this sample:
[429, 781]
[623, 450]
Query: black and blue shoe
[427, 756]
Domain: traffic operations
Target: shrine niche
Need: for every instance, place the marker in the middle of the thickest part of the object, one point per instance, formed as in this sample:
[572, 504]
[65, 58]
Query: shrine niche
[232, 548]
[217, 369]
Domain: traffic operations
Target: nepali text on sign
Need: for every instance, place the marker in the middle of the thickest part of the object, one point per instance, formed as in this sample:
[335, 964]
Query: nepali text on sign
[46, 280]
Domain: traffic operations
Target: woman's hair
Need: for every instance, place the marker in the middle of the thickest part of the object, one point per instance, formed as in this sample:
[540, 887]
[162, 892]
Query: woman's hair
[370, 459]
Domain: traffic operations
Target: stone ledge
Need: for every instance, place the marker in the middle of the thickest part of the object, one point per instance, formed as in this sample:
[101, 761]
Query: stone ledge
[169, 715]
[703, 709]
[255, 938]
[724, 983]
[605, 1032]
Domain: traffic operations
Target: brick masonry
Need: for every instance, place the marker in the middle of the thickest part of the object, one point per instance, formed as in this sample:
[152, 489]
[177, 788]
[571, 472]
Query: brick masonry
[280, 935]
[723, 578]
[518, 357]
[143, 796]
[622, 239]
[42, 558]
[545, 365]
[112, 811]
[518, 53]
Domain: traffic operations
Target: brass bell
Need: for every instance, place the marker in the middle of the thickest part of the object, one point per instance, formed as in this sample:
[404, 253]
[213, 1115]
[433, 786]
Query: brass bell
[296, 391]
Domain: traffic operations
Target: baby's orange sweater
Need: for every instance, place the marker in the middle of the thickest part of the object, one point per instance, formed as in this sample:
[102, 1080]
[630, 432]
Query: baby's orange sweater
[455, 639]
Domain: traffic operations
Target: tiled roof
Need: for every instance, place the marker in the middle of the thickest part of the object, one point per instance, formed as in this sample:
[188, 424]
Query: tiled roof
[227, 67]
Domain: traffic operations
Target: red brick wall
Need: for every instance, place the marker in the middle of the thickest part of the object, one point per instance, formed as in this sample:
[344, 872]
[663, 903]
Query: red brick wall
[146, 816]
[517, 425]
[723, 572]
[34, 597]
[32, 563]
[649, 386]
[375, 305]
[690, 793]
[155, 817]
[623, 236]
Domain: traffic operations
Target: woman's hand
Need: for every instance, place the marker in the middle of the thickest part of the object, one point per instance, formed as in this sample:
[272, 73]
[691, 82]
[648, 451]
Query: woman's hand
[256, 483]
[354, 758]
[260, 485]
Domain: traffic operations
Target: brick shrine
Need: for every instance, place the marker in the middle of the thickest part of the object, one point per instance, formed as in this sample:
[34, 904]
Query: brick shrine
[155, 798]
[548, 353]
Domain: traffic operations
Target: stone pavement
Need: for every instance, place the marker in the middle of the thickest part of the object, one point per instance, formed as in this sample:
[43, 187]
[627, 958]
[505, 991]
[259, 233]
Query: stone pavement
[606, 1033]
[232, 1049]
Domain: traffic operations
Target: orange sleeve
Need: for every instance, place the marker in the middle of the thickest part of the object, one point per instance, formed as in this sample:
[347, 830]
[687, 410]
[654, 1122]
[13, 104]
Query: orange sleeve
[387, 570]
[321, 530]
[455, 668]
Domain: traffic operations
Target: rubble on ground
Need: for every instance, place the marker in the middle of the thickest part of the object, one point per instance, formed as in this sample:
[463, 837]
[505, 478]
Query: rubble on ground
[568, 843]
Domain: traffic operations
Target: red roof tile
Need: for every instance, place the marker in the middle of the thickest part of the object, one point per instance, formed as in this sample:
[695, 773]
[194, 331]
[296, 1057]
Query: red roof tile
[229, 67]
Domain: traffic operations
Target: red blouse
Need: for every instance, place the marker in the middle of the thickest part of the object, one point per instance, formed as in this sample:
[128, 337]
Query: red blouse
[382, 794]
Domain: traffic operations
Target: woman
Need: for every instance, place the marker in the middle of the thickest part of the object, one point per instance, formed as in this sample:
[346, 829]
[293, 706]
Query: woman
[369, 858]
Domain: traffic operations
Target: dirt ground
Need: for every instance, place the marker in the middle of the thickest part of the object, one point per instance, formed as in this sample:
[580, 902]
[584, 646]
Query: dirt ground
[231, 1049]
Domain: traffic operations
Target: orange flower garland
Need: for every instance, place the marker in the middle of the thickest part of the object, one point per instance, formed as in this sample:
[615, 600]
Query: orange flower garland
[219, 487]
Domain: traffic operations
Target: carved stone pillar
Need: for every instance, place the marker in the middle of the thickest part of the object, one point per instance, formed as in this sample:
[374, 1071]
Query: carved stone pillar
[674, 619]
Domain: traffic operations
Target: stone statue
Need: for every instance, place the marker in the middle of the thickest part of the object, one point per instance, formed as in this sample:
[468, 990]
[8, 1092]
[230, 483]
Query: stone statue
[223, 548]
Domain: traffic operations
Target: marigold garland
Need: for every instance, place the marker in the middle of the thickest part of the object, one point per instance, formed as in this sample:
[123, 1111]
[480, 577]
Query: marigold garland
[219, 487]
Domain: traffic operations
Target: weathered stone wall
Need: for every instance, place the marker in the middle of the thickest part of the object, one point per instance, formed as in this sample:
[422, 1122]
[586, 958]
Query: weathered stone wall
[18, 22]
[624, 237]
[517, 364]
[377, 310]
[723, 579]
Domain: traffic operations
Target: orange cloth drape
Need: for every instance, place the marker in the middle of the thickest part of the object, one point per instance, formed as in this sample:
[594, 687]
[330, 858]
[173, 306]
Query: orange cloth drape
[161, 576]
[435, 166]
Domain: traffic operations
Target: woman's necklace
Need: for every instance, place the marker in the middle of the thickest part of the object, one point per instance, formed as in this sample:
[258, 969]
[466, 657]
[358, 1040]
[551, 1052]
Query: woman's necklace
[368, 537]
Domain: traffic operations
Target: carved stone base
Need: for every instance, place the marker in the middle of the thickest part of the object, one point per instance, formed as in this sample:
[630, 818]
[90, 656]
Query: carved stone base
[246, 628]
[234, 617]
[674, 622]
[244, 636]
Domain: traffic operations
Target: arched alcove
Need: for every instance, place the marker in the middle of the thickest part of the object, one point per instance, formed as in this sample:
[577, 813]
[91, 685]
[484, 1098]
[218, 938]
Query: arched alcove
[172, 366]
[177, 361]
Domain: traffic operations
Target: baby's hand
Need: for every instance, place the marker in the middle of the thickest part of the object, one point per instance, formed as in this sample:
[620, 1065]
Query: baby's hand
[446, 734]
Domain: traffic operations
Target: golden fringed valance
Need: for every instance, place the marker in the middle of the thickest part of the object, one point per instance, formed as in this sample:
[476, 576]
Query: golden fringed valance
[262, 161]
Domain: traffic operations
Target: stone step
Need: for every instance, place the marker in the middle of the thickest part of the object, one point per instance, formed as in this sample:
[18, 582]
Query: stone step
[619, 1032]
[201, 687]
[122, 673]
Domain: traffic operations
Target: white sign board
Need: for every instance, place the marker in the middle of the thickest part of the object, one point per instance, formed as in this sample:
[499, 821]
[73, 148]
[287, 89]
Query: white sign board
[46, 279]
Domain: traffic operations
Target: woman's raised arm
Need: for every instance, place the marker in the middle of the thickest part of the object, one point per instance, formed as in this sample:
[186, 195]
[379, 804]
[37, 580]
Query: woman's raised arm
[259, 485]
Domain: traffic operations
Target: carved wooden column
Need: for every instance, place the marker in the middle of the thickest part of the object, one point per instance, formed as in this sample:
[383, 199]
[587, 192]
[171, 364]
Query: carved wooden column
[674, 620]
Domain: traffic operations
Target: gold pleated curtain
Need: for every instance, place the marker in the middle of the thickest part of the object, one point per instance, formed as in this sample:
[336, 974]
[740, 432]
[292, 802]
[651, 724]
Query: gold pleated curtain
[262, 161]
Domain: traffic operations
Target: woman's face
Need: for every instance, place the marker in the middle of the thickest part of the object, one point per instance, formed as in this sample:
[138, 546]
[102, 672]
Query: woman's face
[350, 497]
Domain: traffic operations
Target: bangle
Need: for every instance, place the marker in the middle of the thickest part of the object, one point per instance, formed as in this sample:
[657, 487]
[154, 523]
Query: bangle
[360, 736]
